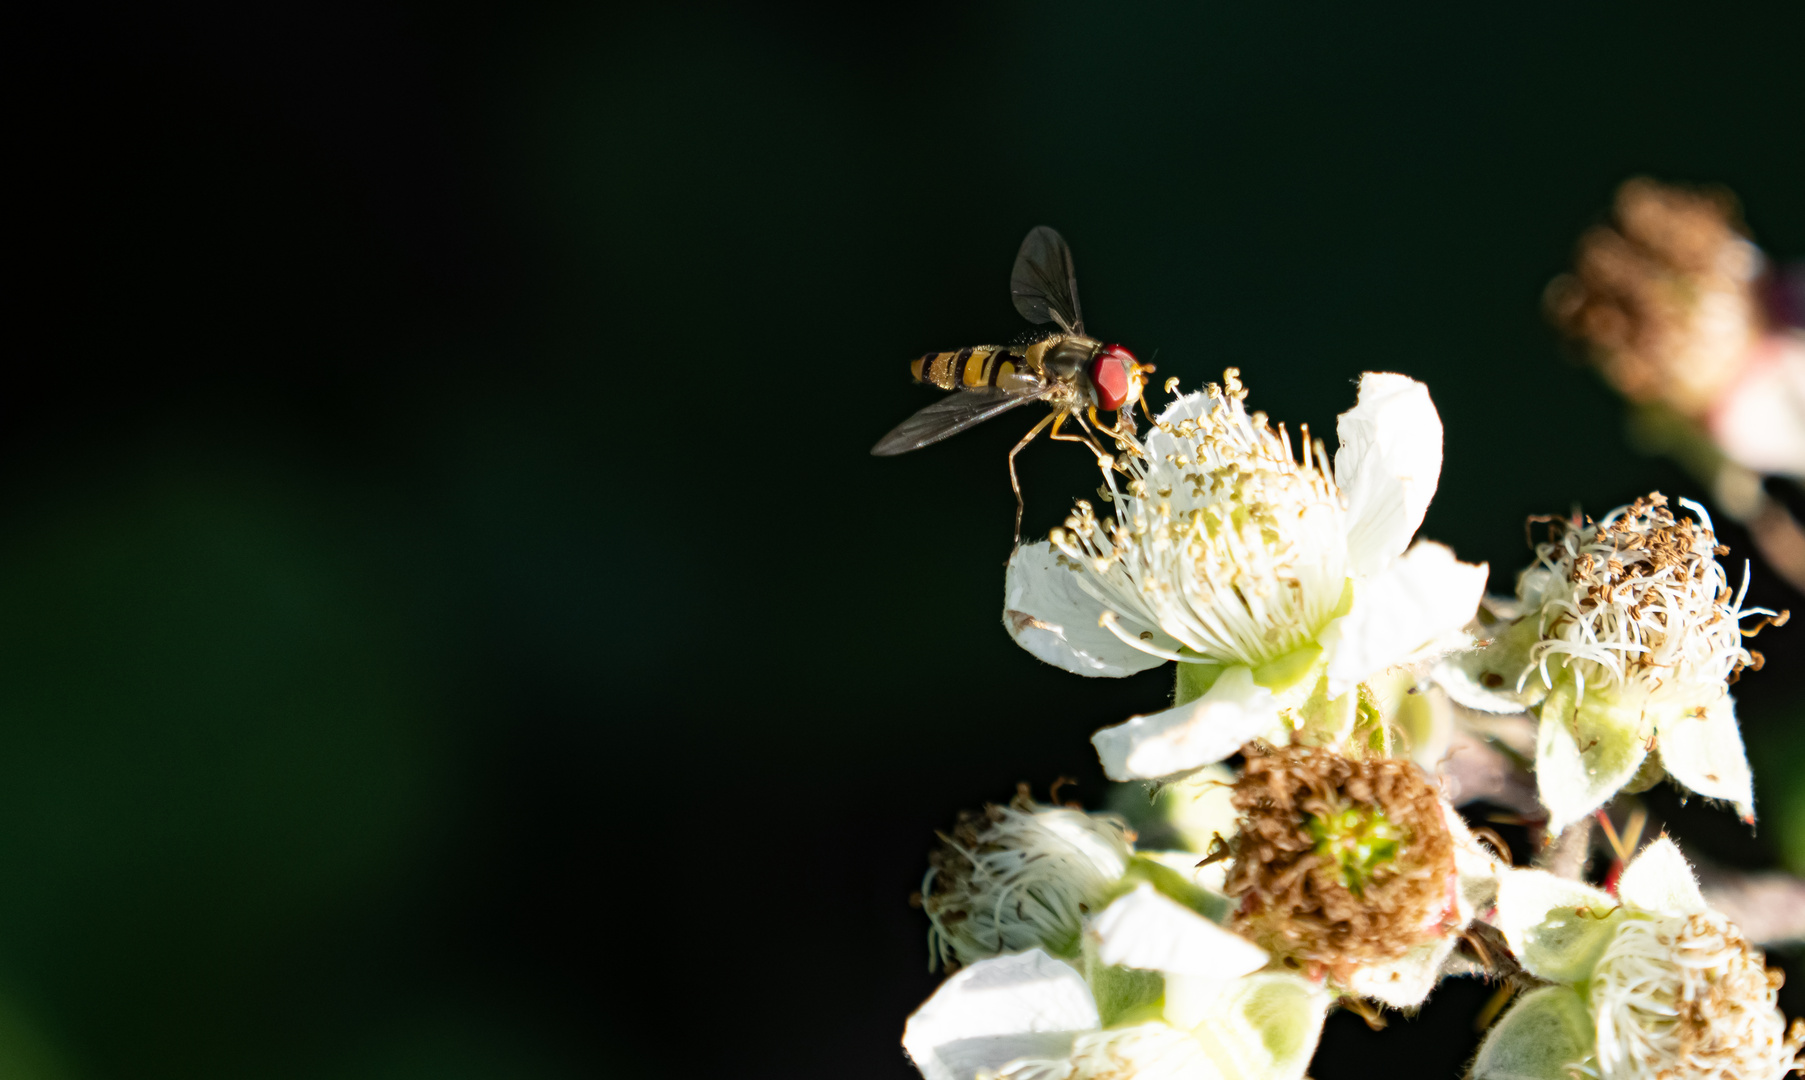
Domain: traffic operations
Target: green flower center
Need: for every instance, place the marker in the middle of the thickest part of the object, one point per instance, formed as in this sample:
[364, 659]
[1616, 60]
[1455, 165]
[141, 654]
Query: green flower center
[1360, 840]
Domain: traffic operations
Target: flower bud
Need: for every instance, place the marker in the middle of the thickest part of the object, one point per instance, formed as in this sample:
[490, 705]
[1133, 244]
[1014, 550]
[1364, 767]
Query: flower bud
[1666, 299]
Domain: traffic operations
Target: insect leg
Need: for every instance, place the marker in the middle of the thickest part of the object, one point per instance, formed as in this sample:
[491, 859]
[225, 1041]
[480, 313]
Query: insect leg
[1104, 461]
[1116, 430]
[1014, 483]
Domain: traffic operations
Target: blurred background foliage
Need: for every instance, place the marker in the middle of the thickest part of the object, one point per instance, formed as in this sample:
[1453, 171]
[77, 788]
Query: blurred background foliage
[452, 626]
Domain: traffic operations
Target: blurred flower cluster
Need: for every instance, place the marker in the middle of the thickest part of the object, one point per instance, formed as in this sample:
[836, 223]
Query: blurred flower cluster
[1287, 838]
[1689, 321]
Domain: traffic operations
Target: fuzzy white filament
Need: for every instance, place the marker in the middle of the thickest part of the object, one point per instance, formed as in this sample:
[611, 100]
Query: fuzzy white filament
[1025, 878]
[1638, 596]
[1223, 540]
[1686, 997]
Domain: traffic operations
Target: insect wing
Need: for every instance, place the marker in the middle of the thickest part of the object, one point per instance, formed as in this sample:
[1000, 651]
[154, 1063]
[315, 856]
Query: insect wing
[1044, 285]
[951, 415]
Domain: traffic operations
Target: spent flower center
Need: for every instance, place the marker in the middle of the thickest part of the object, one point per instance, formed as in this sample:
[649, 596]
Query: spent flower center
[1359, 840]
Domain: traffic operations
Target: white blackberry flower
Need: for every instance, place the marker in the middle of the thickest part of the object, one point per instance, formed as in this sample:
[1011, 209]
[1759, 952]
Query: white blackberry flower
[1271, 581]
[1649, 984]
[1206, 1011]
[1629, 637]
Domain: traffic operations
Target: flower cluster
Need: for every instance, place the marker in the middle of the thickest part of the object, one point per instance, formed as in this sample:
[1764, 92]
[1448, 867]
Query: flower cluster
[1648, 983]
[1304, 854]
[1686, 318]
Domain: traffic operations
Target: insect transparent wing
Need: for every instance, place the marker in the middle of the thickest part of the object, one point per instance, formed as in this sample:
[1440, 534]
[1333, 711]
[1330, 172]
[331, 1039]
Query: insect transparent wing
[951, 415]
[1043, 284]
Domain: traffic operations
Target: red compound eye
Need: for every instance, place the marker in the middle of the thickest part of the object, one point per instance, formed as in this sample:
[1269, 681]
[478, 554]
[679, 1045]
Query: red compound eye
[1109, 373]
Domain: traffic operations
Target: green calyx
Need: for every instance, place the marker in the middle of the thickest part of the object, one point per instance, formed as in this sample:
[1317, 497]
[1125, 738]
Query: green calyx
[1124, 996]
[1290, 673]
[1173, 886]
[1360, 840]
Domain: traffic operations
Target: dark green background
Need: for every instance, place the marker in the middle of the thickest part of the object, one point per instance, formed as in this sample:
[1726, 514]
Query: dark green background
[451, 624]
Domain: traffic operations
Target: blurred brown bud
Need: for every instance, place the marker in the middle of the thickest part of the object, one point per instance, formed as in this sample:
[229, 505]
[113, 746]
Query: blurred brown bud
[1665, 296]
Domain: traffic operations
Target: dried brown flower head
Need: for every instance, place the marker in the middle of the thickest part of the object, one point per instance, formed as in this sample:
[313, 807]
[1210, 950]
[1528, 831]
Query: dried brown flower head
[1665, 296]
[1339, 862]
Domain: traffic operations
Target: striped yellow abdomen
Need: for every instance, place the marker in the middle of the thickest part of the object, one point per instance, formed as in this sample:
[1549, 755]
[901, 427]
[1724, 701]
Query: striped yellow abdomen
[979, 366]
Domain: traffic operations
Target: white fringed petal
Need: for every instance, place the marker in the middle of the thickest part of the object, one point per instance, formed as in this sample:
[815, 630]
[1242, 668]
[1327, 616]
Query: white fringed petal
[997, 1010]
[1388, 466]
[1705, 753]
[1049, 614]
[1188, 736]
[1413, 605]
[1145, 929]
[1660, 880]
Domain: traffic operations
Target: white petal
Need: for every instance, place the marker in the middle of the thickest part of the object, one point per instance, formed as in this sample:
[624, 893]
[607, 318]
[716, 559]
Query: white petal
[1556, 927]
[1705, 754]
[1387, 467]
[1476, 868]
[1660, 879]
[1759, 423]
[1545, 1033]
[1404, 983]
[1584, 754]
[1026, 1005]
[1148, 930]
[1047, 613]
[1408, 607]
[1199, 808]
[1191, 735]
[1460, 677]
[1265, 1027]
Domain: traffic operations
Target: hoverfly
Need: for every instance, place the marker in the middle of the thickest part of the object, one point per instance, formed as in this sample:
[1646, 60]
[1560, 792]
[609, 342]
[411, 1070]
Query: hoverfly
[1074, 373]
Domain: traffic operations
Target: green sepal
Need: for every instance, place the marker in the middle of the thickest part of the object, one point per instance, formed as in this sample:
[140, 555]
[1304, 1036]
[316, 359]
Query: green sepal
[1194, 680]
[1557, 928]
[1289, 670]
[1172, 885]
[1650, 773]
[1326, 721]
[1287, 675]
[1543, 1035]
[1502, 664]
[1588, 749]
[1124, 995]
